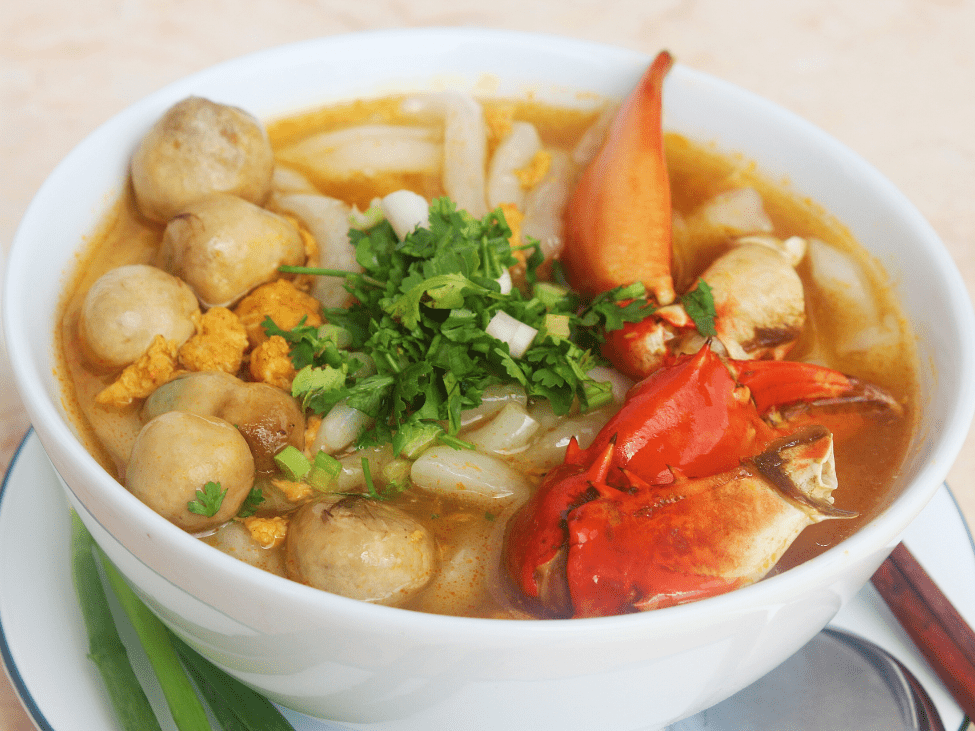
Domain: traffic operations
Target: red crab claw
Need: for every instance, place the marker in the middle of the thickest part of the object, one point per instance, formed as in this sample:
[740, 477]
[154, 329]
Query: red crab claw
[691, 415]
[777, 383]
[617, 223]
[686, 422]
[652, 546]
[536, 535]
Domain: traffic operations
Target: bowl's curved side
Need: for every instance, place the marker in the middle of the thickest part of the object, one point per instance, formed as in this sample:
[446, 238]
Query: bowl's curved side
[606, 674]
[304, 647]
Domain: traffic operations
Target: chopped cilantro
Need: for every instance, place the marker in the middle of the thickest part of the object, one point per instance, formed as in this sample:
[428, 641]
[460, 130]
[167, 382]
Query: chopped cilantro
[208, 500]
[421, 308]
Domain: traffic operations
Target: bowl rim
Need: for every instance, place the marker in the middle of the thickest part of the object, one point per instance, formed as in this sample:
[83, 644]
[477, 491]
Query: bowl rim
[876, 536]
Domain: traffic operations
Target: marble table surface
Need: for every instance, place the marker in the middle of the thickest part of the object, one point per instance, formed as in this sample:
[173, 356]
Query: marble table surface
[893, 79]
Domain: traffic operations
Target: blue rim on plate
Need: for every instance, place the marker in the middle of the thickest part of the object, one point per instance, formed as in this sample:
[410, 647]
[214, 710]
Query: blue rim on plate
[30, 705]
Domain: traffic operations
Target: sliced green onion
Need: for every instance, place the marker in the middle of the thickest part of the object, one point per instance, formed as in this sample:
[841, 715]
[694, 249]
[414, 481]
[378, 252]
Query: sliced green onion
[325, 469]
[406, 211]
[553, 296]
[397, 471]
[106, 650]
[557, 325]
[368, 218]
[292, 462]
[512, 331]
[597, 393]
[505, 282]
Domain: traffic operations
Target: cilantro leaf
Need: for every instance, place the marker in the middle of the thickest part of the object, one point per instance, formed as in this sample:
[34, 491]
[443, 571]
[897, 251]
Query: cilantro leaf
[251, 503]
[208, 500]
[443, 291]
[699, 305]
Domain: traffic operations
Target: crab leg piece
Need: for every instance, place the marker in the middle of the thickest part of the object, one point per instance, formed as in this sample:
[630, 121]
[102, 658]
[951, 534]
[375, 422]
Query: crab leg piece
[691, 415]
[640, 348]
[650, 546]
[776, 383]
[618, 221]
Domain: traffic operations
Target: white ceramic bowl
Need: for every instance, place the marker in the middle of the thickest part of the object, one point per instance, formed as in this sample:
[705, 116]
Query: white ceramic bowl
[384, 668]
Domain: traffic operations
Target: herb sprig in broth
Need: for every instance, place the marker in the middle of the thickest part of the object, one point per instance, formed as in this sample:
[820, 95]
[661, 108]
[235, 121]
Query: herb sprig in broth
[423, 315]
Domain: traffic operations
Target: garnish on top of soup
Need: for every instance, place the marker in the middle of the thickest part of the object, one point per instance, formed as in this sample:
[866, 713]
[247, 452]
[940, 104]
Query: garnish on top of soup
[361, 367]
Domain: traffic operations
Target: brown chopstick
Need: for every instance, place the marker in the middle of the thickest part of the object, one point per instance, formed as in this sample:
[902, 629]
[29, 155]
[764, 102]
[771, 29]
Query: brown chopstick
[939, 631]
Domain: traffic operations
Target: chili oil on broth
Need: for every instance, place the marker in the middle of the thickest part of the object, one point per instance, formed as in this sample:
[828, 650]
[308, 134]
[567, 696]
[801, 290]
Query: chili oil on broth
[866, 465]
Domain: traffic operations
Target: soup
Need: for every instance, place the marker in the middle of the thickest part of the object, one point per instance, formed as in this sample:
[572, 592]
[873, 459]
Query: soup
[432, 517]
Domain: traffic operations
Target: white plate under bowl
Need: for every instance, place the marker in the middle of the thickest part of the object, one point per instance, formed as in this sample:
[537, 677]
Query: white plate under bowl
[44, 645]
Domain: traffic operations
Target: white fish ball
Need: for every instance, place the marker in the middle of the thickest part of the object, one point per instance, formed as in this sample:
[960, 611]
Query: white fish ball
[127, 307]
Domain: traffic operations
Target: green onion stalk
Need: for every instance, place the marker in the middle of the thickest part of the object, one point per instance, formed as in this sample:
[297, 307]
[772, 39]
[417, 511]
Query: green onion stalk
[183, 674]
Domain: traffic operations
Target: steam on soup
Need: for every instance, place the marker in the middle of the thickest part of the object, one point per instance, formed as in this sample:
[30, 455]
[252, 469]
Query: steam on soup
[398, 433]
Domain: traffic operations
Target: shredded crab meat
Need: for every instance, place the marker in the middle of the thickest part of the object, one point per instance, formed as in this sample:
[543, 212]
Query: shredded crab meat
[270, 363]
[280, 300]
[158, 365]
[219, 343]
[268, 532]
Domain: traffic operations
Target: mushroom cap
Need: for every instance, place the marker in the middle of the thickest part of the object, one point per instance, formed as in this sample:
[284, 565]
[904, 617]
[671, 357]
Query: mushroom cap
[359, 548]
[268, 418]
[176, 454]
[127, 307]
[224, 246]
[199, 147]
